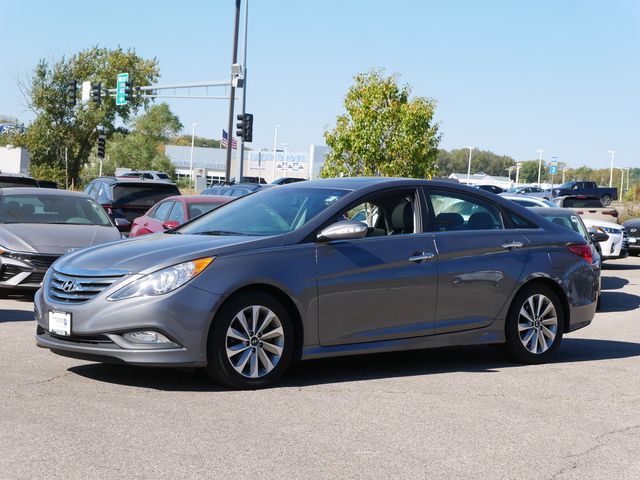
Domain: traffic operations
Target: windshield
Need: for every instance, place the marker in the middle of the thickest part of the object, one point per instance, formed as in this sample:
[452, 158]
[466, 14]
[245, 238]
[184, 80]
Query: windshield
[269, 212]
[582, 203]
[137, 194]
[59, 209]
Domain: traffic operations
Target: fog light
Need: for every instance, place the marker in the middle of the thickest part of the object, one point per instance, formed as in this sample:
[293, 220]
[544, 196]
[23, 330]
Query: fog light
[146, 337]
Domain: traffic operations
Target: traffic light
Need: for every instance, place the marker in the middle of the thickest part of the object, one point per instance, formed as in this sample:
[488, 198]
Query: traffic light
[102, 143]
[96, 93]
[244, 127]
[128, 91]
[72, 93]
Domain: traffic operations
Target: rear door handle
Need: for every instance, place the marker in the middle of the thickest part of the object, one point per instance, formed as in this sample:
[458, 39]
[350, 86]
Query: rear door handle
[421, 257]
[510, 245]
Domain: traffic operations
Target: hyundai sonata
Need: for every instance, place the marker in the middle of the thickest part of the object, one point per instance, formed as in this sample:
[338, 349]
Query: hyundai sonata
[323, 268]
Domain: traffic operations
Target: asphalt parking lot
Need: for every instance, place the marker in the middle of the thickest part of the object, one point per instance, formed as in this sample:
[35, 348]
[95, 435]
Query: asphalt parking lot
[447, 413]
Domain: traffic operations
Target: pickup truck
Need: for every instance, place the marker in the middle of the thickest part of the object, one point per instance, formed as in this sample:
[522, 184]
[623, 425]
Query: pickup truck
[591, 189]
[588, 207]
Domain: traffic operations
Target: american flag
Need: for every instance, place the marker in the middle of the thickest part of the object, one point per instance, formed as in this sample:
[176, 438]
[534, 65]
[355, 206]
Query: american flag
[225, 141]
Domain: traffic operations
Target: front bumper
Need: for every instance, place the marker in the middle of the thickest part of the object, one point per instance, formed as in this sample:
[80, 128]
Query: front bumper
[184, 316]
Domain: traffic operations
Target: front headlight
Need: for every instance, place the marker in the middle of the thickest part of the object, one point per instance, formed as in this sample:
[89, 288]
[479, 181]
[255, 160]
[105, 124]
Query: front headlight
[615, 231]
[163, 281]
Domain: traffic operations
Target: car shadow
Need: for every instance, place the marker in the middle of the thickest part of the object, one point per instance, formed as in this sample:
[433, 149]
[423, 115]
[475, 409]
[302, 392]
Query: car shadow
[7, 316]
[480, 359]
[618, 302]
[609, 265]
[613, 283]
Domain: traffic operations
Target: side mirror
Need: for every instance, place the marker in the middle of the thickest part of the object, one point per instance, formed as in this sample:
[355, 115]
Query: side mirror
[597, 236]
[122, 224]
[169, 224]
[343, 230]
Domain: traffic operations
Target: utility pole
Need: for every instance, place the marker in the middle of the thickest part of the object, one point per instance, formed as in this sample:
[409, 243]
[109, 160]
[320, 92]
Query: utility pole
[244, 87]
[540, 152]
[193, 138]
[621, 183]
[469, 167]
[518, 166]
[234, 60]
[612, 153]
[275, 150]
[66, 168]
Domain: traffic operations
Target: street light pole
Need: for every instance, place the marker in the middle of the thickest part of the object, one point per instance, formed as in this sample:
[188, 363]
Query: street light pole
[518, 166]
[621, 183]
[612, 152]
[469, 167]
[193, 138]
[540, 152]
[275, 146]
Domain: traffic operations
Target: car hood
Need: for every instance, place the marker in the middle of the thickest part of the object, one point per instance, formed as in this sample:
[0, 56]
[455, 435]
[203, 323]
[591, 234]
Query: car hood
[54, 239]
[634, 223]
[594, 222]
[148, 253]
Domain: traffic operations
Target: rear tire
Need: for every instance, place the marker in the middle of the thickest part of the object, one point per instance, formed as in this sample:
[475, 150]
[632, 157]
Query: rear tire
[535, 324]
[606, 200]
[251, 342]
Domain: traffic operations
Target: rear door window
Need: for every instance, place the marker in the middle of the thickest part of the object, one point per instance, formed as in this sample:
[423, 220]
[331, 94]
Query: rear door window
[177, 213]
[163, 210]
[458, 211]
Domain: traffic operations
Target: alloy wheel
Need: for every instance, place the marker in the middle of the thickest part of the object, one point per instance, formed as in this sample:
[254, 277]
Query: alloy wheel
[254, 341]
[537, 323]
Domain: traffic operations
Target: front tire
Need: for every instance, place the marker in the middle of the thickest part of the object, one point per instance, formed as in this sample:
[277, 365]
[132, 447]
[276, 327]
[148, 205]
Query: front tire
[251, 342]
[535, 324]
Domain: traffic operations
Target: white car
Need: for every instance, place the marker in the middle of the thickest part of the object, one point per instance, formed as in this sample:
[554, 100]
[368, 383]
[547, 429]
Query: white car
[529, 202]
[530, 191]
[614, 247]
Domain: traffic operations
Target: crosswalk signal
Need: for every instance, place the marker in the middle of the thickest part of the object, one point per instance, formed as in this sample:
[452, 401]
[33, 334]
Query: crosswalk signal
[102, 143]
[244, 127]
[96, 93]
[72, 93]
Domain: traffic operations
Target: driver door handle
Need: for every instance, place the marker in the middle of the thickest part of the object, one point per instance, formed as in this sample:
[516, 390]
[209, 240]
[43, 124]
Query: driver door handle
[421, 256]
[510, 245]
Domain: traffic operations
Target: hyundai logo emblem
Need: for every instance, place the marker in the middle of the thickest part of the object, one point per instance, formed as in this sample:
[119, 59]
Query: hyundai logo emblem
[69, 286]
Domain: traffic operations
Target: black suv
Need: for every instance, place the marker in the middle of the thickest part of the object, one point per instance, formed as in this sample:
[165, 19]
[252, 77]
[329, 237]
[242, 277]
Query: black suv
[127, 199]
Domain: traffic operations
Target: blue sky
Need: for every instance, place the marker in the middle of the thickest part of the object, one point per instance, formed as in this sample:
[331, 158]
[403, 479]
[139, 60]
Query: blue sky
[508, 76]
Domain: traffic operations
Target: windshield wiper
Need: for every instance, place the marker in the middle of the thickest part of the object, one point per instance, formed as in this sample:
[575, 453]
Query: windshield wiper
[219, 232]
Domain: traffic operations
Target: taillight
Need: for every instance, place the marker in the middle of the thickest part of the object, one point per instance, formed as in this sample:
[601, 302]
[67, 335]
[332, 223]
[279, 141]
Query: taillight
[613, 213]
[583, 251]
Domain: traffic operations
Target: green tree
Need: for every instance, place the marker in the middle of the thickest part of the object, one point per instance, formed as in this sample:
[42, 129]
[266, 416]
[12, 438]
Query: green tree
[143, 147]
[185, 141]
[58, 125]
[383, 131]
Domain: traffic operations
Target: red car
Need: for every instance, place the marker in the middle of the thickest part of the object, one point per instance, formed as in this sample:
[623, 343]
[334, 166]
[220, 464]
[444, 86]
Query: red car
[174, 211]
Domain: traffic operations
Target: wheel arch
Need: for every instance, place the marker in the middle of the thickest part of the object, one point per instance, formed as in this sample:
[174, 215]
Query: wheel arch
[558, 290]
[283, 298]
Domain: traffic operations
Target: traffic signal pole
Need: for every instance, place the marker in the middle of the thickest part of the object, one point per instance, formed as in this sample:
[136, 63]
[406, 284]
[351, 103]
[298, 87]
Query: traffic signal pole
[244, 88]
[227, 173]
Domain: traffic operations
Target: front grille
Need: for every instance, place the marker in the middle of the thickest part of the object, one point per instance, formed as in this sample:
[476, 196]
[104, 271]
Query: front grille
[35, 260]
[94, 339]
[84, 288]
[7, 272]
[625, 238]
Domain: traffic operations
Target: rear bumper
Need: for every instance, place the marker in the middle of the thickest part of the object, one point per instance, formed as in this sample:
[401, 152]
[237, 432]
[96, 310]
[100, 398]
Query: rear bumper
[581, 316]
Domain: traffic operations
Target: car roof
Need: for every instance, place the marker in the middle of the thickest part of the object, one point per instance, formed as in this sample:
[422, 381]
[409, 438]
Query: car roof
[15, 175]
[126, 180]
[41, 191]
[188, 199]
[567, 212]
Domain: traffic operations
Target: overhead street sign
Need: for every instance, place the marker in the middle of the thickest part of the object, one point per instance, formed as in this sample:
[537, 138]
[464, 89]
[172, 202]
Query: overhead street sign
[554, 169]
[121, 97]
